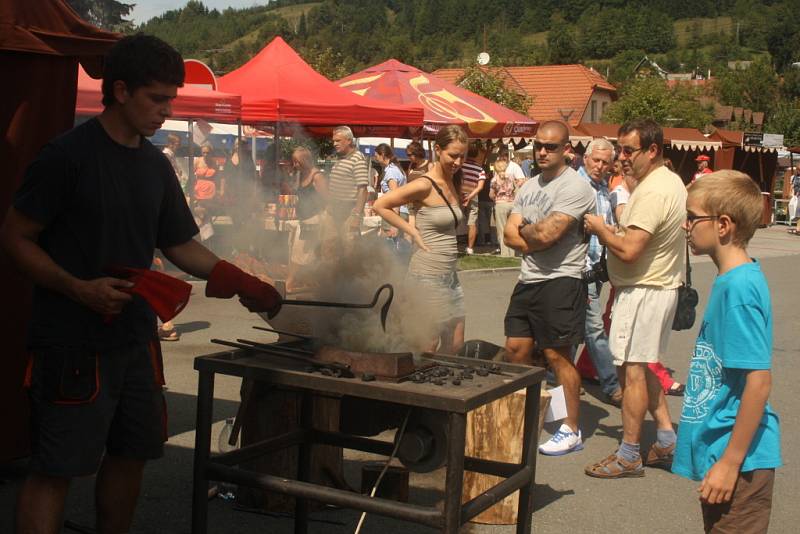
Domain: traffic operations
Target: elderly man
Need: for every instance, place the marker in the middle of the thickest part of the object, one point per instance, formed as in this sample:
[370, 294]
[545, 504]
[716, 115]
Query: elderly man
[347, 183]
[597, 164]
[548, 304]
[645, 265]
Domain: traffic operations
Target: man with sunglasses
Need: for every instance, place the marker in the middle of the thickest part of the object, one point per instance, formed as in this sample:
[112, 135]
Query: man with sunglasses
[548, 306]
[645, 265]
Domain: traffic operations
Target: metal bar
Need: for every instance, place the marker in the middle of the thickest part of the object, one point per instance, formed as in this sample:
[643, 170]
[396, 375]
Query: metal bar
[454, 479]
[490, 467]
[303, 465]
[356, 443]
[275, 347]
[202, 450]
[347, 499]
[284, 333]
[279, 351]
[495, 494]
[261, 448]
[531, 428]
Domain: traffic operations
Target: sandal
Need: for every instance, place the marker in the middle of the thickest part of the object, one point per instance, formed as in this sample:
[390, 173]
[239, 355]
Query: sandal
[660, 456]
[676, 389]
[168, 335]
[615, 467]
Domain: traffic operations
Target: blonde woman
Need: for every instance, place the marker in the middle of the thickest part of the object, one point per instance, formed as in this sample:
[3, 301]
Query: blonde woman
[502, 191]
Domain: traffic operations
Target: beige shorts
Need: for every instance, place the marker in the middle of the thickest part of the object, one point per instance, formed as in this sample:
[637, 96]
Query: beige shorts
[641, 321]
[472, 213]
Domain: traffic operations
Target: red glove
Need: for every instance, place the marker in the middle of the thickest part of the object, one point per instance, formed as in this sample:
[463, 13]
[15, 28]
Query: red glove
[167, 296]
[227, 280]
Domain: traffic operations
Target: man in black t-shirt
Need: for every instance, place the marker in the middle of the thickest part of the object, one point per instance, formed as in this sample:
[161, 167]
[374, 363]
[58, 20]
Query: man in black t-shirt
[98, 198]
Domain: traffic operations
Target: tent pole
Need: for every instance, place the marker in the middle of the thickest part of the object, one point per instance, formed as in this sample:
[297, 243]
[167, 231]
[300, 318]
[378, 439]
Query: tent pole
[276, 141]
[192, 177]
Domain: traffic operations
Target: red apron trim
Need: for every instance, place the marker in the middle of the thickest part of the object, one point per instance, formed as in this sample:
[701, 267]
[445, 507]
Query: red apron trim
[28, 372]
[157, 360]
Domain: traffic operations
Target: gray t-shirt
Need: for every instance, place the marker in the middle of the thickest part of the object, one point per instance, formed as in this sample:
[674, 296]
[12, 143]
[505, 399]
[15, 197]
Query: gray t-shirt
[568, 193]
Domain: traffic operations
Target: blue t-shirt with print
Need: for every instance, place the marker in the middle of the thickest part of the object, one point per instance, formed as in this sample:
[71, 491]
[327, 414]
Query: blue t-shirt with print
[735, 337]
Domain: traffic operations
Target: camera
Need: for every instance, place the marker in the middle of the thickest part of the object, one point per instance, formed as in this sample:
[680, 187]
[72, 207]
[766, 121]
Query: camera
[597, 273]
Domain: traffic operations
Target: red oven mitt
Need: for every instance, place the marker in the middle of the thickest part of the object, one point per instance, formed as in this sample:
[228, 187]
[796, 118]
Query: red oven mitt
[167, 296]
[227, 280]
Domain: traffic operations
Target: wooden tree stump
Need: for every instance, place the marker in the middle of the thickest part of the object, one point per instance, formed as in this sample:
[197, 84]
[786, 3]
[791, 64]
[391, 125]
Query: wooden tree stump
[495, 432]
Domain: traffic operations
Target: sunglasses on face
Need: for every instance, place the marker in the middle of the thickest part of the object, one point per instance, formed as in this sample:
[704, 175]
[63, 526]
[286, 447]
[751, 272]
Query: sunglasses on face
[549, 147]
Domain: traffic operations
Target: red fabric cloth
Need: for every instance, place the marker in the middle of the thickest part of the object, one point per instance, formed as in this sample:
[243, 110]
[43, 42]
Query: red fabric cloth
[227, 280]
[167, 296]
[191, 103]
[444, 103]
[278, 86]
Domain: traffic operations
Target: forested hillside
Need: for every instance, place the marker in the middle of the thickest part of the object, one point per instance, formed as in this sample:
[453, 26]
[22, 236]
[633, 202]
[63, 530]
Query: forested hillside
[695, 34]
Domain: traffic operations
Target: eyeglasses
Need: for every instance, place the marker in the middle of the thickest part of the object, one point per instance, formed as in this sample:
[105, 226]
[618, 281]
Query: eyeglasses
[549, 147]
[629, 150]
[692, 219]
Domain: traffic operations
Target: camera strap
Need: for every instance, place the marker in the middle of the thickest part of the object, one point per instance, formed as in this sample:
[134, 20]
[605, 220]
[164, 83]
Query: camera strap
[688, 267]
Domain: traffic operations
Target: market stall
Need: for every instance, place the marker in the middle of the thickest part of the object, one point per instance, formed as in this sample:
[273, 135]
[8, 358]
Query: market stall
[444, 103]
[40, 46]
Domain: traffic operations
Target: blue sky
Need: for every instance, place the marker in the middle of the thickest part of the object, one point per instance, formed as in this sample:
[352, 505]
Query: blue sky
[147, 9]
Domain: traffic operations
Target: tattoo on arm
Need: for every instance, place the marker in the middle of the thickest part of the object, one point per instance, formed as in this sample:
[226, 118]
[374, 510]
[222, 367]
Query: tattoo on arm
[545, 233]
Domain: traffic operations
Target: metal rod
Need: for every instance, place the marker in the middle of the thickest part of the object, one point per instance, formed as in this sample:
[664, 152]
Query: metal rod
[279, 351]
[454, 477]
[276, 348]
[529, 449]
[495, 494]
[409, 512]
[261, 448]
[384, 308]
[202, 450]
[283, 333]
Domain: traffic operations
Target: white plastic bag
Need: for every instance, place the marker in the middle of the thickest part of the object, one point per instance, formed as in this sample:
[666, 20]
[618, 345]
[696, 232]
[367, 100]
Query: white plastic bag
[792, 208]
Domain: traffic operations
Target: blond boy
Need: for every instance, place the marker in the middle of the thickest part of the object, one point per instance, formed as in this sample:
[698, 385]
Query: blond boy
[729, 436]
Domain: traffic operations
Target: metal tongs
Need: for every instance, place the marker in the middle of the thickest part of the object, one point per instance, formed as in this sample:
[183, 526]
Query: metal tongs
[384, 308]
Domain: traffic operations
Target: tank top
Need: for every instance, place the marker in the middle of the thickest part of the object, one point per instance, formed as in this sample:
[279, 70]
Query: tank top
[309, 201]
[437, 227]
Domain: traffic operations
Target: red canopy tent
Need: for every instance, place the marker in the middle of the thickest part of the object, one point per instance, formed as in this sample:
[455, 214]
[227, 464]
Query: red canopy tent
[192, 102]
[40, 44]
[444, 103]
[278, 86]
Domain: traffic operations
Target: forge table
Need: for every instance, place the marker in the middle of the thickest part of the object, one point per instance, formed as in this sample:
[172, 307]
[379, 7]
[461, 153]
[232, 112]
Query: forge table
[454, 401]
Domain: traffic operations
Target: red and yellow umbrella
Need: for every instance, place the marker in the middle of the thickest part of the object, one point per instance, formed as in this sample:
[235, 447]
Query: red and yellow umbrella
[443, 102]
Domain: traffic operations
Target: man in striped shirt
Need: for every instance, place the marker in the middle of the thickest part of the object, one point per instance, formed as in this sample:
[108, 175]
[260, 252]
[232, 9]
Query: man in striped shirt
[347, 183]
[473, 178]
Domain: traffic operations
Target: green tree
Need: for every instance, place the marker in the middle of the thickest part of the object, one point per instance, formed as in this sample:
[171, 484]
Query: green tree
[327, 62]
[492, 86]
[786, 120]
[562, 48]
[623, 65]
[755, 87]
[107, 14]
[651, 98]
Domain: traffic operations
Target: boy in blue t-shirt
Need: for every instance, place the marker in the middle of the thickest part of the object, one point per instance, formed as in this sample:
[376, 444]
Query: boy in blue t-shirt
[728, 435]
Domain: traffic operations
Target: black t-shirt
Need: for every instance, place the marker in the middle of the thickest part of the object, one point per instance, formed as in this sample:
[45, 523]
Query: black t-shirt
[102, 205]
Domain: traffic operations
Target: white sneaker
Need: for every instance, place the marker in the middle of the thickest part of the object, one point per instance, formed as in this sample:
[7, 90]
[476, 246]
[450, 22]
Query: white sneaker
[470, 252]
[564, 441]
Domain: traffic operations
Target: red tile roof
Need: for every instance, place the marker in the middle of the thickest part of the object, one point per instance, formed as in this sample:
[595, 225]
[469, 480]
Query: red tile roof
[555, 89]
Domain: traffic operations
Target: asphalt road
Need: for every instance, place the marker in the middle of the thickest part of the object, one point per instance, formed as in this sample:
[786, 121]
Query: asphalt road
[566, 499]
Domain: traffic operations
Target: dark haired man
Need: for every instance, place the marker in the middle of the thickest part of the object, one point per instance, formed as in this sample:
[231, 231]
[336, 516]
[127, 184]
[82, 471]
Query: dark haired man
[98, 198]
[645, 265]
[548, 305]
[473, 179]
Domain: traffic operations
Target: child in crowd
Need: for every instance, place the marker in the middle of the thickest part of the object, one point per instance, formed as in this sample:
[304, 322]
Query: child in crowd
[728, 436]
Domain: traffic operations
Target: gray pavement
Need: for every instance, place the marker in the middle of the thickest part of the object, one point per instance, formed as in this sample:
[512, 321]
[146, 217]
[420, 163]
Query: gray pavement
[566, 499]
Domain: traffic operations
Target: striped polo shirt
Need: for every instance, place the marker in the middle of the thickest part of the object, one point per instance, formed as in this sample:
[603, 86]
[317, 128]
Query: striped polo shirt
[471, 174]
[347, 174]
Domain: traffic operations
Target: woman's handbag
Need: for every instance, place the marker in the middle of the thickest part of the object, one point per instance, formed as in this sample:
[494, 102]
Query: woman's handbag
[685, 312]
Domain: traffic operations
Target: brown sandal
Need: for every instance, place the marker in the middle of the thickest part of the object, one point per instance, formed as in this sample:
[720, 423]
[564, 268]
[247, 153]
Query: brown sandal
[613, 466]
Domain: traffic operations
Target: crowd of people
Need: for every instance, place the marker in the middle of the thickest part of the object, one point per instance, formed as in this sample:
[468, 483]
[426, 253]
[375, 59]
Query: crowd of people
[622, 218]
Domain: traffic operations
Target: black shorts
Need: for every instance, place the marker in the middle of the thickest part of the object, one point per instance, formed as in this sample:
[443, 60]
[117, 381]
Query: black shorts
[552, 312]
[85, 404]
